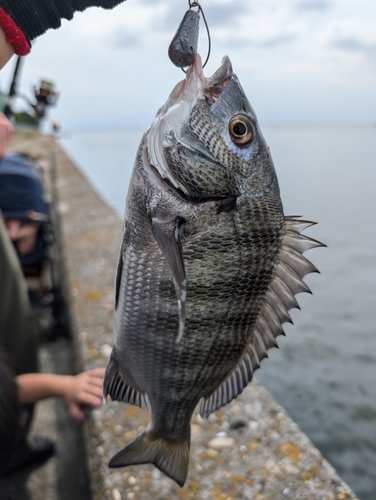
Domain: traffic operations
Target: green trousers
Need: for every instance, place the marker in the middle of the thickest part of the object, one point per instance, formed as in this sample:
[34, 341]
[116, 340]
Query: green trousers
[18, 332]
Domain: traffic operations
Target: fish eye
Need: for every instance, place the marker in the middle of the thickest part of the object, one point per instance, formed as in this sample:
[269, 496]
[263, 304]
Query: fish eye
[241, 130]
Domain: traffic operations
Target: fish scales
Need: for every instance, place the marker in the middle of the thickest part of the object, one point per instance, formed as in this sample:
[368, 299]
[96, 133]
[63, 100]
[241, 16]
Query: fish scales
[200, 285]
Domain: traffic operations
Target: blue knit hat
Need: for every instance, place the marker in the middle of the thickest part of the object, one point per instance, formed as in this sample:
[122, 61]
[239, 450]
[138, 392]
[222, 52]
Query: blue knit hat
[21, 189]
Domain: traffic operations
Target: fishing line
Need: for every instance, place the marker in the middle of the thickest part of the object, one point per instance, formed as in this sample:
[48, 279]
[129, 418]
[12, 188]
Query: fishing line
[198, 5]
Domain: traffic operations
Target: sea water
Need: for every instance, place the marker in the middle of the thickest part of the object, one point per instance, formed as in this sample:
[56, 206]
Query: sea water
[324, 373]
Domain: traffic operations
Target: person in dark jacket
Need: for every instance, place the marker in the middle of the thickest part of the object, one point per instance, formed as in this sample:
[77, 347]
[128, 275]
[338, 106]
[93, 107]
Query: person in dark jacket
[21, 22]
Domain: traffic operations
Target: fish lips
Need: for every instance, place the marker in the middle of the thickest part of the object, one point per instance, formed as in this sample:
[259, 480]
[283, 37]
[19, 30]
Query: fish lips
[197, 85]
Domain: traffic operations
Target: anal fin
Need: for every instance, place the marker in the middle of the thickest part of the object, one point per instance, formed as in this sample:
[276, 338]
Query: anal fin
[119, 389]
[233, 385]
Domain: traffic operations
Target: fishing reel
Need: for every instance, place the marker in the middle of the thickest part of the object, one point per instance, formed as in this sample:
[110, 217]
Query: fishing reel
[46, 96]
[45, 93]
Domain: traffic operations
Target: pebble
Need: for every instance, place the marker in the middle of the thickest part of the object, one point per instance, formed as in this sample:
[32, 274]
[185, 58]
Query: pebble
[221, 434]
[132, 481]
[238, 424]
[221, 442]
[286, 491]
[105, 350]
[212, 453]
[225, 425]
[291, 469]
[156, 474]
[116, 494]
[253, 425]
[63, 208]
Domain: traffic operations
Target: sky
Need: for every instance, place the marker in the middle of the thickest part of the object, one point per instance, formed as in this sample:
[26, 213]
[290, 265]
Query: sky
[300, 62]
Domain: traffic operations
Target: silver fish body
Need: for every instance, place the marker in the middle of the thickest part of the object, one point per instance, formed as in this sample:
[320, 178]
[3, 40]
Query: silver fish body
[208, 266]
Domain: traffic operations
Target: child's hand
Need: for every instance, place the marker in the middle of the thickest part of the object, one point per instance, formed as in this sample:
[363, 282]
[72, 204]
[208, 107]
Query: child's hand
[84, 389]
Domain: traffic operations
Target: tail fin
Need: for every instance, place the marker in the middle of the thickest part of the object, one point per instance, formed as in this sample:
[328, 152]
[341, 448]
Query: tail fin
[170, 457]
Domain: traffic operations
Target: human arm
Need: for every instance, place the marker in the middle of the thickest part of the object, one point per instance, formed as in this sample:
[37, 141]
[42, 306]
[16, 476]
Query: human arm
[24, 20]
[6, 49]
[6, 130]
[82, 389]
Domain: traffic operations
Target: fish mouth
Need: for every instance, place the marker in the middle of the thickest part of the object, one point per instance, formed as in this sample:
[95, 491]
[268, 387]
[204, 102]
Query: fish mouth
[169, 127]
[196, 85]
[213, 86]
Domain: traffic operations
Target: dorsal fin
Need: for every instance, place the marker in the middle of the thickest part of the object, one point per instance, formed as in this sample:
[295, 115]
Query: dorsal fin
[286, 283]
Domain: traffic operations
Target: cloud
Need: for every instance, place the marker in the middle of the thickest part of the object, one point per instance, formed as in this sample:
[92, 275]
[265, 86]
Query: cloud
[310, 5]
[354, 44]
[350, 44]
[124, 39]
[276, 41]
[160, 21]
[218, 14]
[225, 14]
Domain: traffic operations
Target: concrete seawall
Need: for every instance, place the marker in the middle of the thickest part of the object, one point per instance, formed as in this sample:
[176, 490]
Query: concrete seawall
[250, 449]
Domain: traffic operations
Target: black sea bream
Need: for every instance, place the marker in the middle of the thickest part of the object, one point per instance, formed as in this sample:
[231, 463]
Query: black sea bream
[208, 266]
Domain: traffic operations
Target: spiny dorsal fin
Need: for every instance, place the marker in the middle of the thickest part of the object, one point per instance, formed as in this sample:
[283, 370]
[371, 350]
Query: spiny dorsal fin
[118, 389]
[286, 283]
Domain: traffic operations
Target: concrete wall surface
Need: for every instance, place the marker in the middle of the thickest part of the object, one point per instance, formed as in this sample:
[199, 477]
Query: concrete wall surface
[250, 449]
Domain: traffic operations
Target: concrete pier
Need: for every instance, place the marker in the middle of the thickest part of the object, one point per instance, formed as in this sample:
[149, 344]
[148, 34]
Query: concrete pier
[250, 449]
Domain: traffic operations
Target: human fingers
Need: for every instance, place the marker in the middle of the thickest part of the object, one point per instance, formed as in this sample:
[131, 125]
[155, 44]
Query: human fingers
[97, 372]
[95, 391]
[89, 397]
[76, 411]
[97, 382]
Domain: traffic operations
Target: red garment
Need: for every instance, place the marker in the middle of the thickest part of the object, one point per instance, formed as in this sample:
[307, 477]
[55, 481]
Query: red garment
[24, 20]
[14, 35]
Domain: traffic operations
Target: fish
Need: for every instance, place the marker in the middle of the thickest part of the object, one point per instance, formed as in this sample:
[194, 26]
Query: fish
[208, 266]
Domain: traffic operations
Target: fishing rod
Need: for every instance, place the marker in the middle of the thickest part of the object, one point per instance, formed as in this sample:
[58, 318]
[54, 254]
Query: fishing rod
[45, 95]
[8, 112]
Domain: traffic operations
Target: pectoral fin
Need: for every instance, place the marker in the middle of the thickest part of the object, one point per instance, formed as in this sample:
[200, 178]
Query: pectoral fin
[166, 234]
